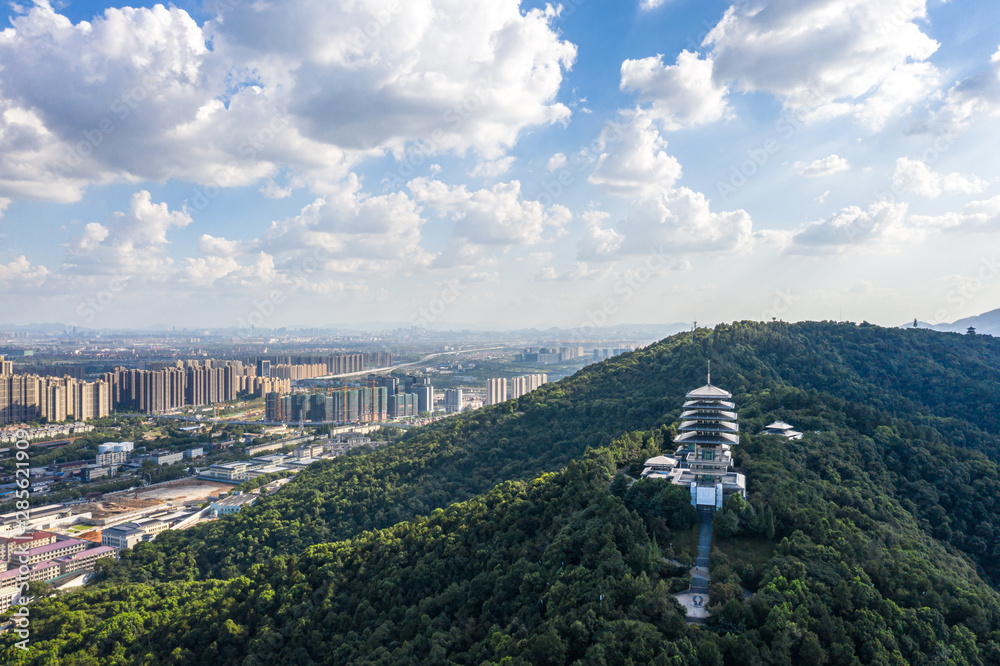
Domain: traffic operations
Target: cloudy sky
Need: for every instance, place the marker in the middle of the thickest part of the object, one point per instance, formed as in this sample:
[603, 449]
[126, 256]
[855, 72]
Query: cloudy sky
[496, 163]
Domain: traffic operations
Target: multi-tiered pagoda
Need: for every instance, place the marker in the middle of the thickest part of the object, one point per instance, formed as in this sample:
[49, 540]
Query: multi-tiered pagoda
[704, 460]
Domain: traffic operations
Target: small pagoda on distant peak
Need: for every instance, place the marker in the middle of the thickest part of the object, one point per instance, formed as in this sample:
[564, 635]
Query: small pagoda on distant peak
[704, 460]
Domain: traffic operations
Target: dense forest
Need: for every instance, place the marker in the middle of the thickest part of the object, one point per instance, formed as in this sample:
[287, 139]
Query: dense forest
[511, 534]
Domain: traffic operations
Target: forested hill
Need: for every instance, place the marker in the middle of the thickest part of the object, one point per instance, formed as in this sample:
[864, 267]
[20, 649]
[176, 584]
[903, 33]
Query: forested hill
[902, 371]
[568, 568]
[956, 394]
[873, 538]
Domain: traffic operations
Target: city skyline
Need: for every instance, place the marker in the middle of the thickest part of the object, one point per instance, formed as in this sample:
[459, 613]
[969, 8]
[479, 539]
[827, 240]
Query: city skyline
[475, 164]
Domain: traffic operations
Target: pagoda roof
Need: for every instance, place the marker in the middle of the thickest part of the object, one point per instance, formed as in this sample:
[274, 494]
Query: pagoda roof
[709, 391]
[704, 415]
[705, 403]
[661, 461]
[783, 429]
[720, 426]
[721, 438]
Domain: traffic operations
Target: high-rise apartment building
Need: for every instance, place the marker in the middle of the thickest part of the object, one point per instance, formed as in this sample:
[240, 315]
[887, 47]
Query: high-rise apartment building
[453, 400]
[402, 405]
[27, 397]
[425, 397]
[496, 391]
[272, 407]
[526, 384]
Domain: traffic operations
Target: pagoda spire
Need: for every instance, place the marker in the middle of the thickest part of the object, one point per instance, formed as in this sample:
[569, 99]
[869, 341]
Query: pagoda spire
[709, 373]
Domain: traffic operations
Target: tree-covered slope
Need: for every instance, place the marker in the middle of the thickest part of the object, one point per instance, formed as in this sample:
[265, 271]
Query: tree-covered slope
[469, 454]
[876, 535]
[916, 373]
[559, 570]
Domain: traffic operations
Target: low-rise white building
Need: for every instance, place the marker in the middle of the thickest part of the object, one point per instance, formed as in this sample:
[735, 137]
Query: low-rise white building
[122, 536]
[232, 504]
[166, 457]
[231, 472]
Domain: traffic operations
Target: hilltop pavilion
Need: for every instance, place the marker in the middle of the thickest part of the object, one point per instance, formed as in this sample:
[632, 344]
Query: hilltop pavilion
[783, 429]
[703, 460]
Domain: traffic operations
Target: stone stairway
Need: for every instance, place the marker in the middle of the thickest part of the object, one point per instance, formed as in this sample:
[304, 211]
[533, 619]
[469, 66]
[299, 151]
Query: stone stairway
[695, 598]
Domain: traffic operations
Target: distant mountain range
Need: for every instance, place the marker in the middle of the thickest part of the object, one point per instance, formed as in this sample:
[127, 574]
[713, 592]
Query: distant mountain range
[987, 323]
[622, 331]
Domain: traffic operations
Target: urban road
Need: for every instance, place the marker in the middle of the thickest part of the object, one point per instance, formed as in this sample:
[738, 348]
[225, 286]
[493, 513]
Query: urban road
[410, 364]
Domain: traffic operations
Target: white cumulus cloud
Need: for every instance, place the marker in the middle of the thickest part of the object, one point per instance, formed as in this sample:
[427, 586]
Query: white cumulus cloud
[974, 98]
[866, 58]
[915, 176]
[977, 216]
[680, 95]
[880, 226]
[493, 168]
[682, 221]
[496, 216]
[557, 161]
[823, 167]
[148, 94]
[21, 273]
[598, 242]
[633, 160]
[133, 242]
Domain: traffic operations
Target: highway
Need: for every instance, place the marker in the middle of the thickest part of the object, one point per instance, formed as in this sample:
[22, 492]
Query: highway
[378, 371]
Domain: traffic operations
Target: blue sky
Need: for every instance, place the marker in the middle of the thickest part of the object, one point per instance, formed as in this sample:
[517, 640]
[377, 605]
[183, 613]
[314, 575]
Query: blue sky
[510, 164]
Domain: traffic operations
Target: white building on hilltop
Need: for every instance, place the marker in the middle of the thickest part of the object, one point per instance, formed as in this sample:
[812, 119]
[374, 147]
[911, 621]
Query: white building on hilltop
[703, 460]
[783, 429]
